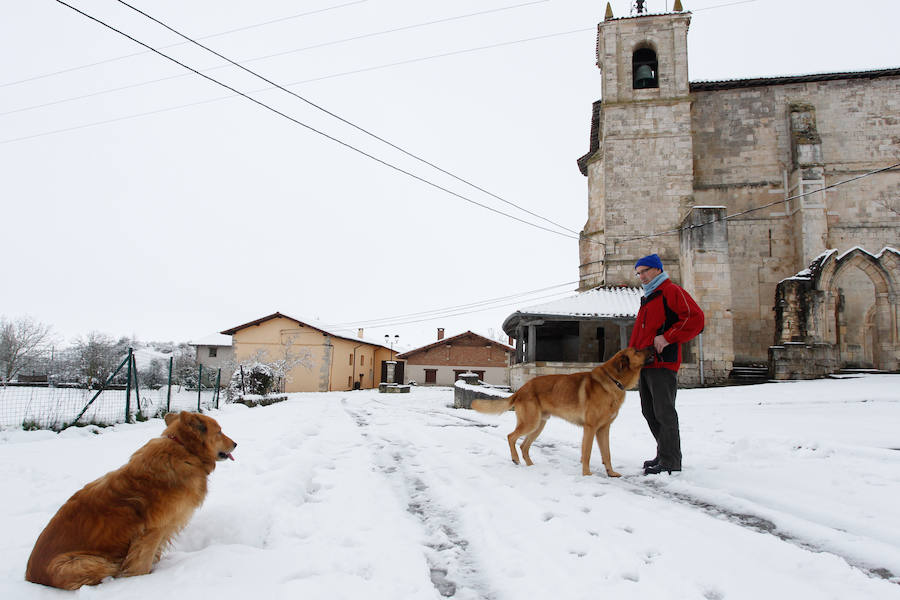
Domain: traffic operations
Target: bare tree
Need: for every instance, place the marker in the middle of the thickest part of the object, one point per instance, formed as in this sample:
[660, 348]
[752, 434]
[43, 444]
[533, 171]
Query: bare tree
[21, 340]
[96, 357]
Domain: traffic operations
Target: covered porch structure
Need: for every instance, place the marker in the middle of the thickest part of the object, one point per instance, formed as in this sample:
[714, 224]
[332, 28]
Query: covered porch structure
[572, 334]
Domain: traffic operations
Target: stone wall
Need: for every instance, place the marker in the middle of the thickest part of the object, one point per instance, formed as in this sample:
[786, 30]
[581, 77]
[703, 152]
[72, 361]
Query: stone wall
[745, 156]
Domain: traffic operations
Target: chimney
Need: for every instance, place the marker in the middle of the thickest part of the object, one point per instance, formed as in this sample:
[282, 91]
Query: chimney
[360, 333]
[440, 333]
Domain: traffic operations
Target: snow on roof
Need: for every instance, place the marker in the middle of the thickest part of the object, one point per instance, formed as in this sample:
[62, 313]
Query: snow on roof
[598, 302]
[213, 339]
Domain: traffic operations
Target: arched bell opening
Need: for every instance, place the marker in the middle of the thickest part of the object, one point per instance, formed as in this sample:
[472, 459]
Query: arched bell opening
[644, 69]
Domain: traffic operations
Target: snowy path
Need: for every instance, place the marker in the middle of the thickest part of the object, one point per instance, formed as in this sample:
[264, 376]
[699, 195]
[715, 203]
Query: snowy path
[789, 492]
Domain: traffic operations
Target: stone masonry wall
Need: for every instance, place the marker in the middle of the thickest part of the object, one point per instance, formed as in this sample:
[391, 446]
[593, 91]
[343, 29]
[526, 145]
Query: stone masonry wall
[742, 157]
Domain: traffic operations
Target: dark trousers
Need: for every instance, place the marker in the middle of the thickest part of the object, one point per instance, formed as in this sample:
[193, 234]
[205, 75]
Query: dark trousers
[657, 388]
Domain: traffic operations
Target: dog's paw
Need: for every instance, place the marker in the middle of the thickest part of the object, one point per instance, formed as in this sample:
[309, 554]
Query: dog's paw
[613, 474]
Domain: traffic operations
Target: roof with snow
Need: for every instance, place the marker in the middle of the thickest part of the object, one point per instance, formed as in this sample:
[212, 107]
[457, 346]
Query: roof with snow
[610, 302]
[307, 323]
[213, 339]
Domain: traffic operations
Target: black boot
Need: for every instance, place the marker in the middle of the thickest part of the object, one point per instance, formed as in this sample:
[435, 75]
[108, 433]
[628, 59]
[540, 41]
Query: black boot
[658, 468]
[651, 463]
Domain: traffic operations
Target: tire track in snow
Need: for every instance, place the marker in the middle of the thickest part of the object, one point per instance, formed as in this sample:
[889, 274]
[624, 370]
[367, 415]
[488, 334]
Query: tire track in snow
[453, 572]
[638, 484]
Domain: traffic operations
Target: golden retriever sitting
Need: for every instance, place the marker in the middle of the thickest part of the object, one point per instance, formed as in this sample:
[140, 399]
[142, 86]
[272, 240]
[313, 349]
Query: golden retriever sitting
[590, 399]
[120, 524]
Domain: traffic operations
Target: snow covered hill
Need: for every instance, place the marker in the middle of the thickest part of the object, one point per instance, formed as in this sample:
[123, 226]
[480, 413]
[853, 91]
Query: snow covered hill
[789, 491]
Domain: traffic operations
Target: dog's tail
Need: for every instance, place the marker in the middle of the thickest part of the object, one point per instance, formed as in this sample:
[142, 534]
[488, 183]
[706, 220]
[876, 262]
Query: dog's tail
[493, 406]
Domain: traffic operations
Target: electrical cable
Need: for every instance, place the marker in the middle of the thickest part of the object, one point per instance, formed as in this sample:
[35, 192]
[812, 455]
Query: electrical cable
[246, 60]
[206, 37]
[764, 206]
[461, 313]
[343, 120]
[313, 129]
[454, 308]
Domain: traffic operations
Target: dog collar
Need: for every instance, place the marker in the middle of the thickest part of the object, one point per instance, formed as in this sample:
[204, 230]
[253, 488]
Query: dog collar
[618, 385]
[174, 439]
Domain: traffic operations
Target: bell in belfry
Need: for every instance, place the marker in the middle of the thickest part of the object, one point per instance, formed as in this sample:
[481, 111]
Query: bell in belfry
[643, 77]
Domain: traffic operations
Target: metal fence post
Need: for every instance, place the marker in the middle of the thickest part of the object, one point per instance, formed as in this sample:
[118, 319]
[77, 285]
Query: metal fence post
[169, 390]
[128, 388]
[199, 385]
[137, 387]
[97, 395]
[218, 381]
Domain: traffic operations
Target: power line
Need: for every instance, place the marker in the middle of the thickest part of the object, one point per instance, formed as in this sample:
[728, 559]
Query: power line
[764, 206]
[220, 98]
[312, 129]
[345, 121]
[221, 33]
[248, 60]
[377, 322]
[460, 313]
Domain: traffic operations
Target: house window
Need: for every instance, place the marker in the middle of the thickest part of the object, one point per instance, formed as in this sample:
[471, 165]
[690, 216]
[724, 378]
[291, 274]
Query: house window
[362, 359]
[212, 352]
[430, 375]
[351, 360]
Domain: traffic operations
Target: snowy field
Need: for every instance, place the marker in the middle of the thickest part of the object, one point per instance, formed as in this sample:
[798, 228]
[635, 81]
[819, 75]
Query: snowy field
[790, 491]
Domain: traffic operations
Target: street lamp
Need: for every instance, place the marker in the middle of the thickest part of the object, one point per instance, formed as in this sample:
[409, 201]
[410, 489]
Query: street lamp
[390, 342]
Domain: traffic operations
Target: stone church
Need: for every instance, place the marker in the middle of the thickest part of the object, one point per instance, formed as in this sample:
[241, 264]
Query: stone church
[774, 201]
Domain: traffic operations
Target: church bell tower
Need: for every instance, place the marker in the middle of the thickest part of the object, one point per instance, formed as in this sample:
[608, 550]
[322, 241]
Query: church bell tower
[640, 165]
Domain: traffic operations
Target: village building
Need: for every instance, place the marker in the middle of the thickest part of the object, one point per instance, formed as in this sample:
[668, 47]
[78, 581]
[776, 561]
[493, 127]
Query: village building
[444, 361]
[215, 352]
[739, 187]
[314, 360]
[562, 336]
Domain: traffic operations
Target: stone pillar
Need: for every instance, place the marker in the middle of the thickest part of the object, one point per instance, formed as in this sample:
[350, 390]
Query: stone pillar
[807, 212]
[706, 275]
[530, 347]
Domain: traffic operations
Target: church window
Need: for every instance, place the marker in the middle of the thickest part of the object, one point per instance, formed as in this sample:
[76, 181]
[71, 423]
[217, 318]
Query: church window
[645, 69]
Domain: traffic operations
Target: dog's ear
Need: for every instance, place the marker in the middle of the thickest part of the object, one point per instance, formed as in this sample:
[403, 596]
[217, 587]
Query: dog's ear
[191, 420]
[170, 418]
[199, 425]
[623, 363]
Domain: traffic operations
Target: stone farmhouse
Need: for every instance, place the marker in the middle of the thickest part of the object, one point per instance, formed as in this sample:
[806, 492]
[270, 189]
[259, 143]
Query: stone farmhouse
[442, 362]
[774, 201]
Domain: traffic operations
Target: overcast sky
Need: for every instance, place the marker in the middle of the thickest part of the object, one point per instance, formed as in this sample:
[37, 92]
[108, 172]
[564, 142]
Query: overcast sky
[177, 208]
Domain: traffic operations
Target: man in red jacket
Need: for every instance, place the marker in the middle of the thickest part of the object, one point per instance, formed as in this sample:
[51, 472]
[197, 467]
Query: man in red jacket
[668, 317]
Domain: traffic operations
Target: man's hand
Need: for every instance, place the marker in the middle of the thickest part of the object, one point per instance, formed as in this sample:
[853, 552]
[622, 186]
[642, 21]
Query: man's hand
[659, 342]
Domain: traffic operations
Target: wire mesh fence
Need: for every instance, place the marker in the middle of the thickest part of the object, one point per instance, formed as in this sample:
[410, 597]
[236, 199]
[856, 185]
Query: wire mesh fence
[57, 407]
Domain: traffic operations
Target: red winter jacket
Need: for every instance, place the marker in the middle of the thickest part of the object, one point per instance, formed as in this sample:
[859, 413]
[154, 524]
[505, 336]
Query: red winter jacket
[669, 311]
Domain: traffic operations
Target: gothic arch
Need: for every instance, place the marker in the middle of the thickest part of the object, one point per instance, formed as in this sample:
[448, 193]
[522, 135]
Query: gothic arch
[810, 325]
[876, 332]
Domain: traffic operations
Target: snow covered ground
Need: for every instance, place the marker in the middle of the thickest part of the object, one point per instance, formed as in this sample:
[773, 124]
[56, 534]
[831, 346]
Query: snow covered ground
[790, 490]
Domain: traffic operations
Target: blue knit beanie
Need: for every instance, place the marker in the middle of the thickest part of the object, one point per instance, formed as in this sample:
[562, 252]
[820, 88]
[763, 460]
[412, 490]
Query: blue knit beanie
[651, 260]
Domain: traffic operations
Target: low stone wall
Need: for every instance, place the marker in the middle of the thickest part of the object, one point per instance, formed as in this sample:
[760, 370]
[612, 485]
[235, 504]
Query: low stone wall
[799, 360]
[252, 401]
[464, 393]
[392, 388]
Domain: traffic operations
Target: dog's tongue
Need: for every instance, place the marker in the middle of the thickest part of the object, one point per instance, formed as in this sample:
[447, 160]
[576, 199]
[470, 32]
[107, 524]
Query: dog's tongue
[230, 456]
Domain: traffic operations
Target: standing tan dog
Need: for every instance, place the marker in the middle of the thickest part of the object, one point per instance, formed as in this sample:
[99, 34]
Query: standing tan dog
[119, 525]
[590, 399]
